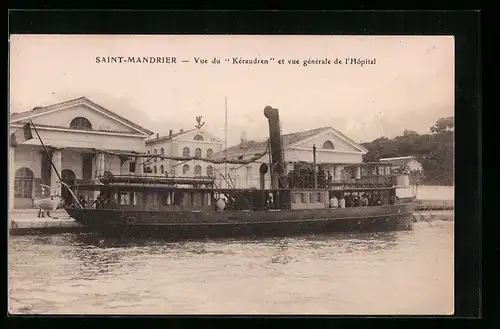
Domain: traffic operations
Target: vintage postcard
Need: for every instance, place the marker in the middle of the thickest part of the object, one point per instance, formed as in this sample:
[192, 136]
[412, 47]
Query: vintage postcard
[259, 174]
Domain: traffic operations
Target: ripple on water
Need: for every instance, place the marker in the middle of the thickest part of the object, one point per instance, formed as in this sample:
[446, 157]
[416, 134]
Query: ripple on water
[371, 273]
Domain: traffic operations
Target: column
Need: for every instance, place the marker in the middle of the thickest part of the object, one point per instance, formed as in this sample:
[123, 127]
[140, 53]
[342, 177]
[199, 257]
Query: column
[338, 173]
[124, 166]
[358, 172]
[55, 186]
[139, 170]
[12, 174]
[100, 164]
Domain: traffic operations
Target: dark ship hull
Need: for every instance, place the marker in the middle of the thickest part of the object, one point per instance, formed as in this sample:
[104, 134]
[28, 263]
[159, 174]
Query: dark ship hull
[192, 224]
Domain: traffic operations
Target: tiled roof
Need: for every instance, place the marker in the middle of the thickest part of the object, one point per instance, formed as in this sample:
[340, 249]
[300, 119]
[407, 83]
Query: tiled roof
[398, 161]
[168, 137]
[76, 101]
[409, 157]
[288, 139]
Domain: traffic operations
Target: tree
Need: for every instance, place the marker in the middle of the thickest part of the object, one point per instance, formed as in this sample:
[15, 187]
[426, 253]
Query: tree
[444, 125]
[434, 151]
[408, 133]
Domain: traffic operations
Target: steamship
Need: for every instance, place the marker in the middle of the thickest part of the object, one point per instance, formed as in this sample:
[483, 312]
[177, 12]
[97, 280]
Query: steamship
[196, 207]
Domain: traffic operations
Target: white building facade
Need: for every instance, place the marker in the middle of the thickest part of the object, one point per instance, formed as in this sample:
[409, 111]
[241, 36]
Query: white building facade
[406, 161]
[79, 134]
[76, 134]
[335, 153]
[192, 143]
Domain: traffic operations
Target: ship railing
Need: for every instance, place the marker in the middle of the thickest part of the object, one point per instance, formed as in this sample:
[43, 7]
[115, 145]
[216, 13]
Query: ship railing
[157, 179]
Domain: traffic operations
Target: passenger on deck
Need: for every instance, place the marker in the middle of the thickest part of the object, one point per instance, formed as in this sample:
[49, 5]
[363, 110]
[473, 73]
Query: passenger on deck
[334, 203]
[82, 201]
[381, 200]
[98, 202]
[270, 201]
[341, 202]
[356, 201]
[364, 201]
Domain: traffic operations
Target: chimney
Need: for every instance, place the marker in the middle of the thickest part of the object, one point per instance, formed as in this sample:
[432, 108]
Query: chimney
[170, 132]
[157, 135]
[182, 130]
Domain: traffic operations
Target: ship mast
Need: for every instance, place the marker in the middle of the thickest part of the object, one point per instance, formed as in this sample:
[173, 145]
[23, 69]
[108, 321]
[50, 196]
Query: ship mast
[314, 168]
[225, 139]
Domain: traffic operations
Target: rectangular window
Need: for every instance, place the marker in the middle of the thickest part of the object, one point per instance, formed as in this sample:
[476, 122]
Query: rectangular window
[294, 198]
[387, 171]
[138, 199]
[124, 198]
[131, 167]
[177, 198]
[303, 196]
[314, 197]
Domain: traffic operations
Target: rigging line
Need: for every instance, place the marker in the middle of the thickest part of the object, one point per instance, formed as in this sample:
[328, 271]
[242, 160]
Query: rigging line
[231, 180]
[209, 160]
[53, 165]
[178, 164]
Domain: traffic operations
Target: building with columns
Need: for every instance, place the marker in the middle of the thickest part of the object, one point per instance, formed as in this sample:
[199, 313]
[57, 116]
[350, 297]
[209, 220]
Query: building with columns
[336, 154]
[76, 134]
[194, 142]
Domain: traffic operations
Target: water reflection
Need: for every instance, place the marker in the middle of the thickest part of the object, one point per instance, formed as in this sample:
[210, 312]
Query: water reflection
[337, 273]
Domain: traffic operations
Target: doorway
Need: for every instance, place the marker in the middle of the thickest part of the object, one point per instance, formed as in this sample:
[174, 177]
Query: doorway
[23, 188]
[68, 177]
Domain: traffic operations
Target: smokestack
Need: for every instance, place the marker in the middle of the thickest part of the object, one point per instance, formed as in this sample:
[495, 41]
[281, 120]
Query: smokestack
[170, 132]
[157, 135]
[276, 148]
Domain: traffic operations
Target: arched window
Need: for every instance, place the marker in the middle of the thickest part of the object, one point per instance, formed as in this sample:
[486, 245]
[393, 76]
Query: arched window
[210, 171]
[68, 176]
[131, 166]
[185, 169]
[162, 151]
[198, 137]
[197, 153]
[154, 151]
[197, 170]
[185, 152]
[154, 169]
[80, 123]
[210, 153]
[149, 152]
[328, 145]
[23, 183]
[162, 169]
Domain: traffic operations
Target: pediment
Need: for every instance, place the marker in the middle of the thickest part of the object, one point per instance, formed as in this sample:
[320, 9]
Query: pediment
[67, 114]
[199, 135]
[330, 140]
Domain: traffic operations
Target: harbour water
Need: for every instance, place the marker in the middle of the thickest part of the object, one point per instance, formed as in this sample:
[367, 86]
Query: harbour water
[409, 272]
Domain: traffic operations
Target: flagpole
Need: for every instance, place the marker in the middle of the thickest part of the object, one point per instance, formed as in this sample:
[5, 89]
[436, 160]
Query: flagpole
[225, 139]
[52, 163]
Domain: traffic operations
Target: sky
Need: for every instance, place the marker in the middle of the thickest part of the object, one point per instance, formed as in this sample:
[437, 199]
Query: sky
[410, 86]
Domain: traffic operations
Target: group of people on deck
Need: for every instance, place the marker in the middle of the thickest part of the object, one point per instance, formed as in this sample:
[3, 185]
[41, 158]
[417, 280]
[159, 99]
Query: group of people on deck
[356, 200]
[99, 202]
